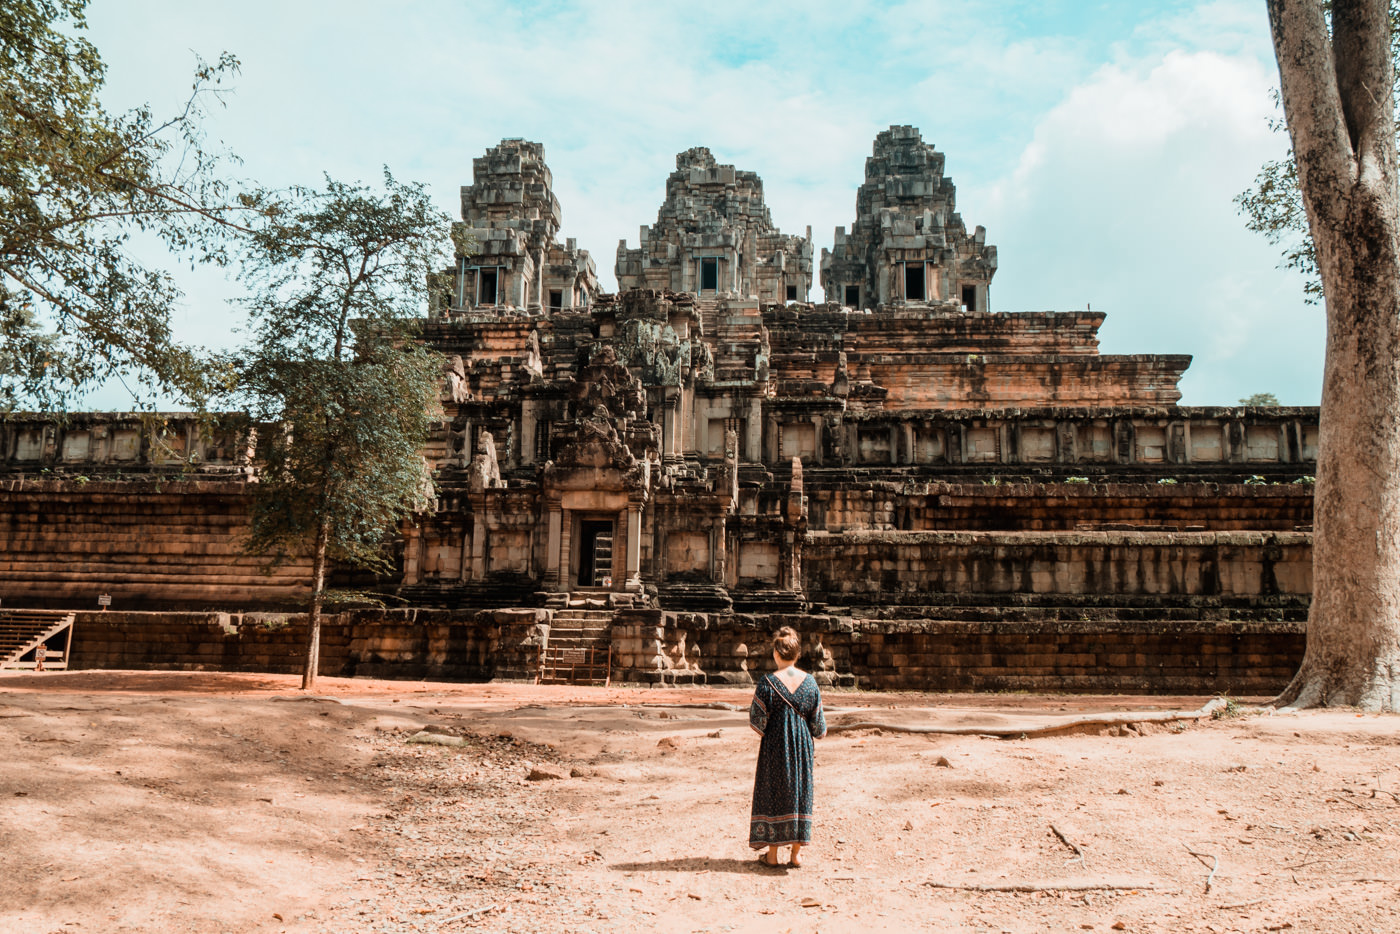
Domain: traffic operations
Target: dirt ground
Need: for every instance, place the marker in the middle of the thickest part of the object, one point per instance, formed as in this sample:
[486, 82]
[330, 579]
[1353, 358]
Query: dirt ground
[193, 802]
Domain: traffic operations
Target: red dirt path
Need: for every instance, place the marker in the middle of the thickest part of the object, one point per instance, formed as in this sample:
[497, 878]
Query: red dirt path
[153, 801]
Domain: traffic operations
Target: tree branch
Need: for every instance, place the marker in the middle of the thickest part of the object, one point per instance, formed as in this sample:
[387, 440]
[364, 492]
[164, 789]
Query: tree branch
[1313, 106]
[1361, 46]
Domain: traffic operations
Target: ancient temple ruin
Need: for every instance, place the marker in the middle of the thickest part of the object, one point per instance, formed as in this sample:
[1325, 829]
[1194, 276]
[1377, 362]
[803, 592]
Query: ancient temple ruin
[642, 484]
[714, 237]
[506, 255]
[908, 244]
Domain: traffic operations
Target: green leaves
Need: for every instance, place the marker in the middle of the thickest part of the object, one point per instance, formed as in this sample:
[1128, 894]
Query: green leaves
[338, 277]
[76, 182]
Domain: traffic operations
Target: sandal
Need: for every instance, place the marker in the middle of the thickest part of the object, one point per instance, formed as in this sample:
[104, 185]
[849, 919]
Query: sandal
[763, 861]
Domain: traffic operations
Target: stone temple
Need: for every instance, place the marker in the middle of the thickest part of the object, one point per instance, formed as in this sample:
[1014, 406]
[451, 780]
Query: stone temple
[642, 485]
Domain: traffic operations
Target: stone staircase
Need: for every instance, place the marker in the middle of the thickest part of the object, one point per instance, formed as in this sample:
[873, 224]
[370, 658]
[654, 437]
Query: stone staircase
[22, 631]
[579, 650]
[602, 560]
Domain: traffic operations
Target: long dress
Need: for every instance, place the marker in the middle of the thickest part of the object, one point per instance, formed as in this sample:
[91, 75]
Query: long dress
[782, 788]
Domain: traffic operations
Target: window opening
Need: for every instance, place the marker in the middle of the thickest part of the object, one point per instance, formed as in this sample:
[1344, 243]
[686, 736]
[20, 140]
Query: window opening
[852, 296]
[792, 293]
[487, 280]
[914, 282]
[709, 274]
[556, 299]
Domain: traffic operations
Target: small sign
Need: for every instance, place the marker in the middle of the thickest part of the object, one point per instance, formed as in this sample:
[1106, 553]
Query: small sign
[104, 600]
[607, 581]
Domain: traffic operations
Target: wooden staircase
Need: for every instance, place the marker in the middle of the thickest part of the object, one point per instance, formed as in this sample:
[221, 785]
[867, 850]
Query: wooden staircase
[22, 631]
[602, 560]
[579, 650]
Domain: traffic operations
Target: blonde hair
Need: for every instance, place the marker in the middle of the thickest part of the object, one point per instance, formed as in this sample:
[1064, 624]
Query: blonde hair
[787, 643]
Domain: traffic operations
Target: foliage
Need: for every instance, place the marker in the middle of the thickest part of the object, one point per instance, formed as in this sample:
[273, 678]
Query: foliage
[1274, 205]
[1260, 398]
[76, 183]
[337, 280]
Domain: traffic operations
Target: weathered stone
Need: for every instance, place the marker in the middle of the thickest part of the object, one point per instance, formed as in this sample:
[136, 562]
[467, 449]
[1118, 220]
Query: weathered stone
[646, 485]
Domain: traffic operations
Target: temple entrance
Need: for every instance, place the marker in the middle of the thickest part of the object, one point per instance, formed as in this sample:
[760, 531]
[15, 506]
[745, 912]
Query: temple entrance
[595, 552]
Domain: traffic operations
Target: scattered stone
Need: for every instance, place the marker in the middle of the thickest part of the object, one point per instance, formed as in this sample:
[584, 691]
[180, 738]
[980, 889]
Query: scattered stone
[436, 739]
[943, 762]
[542, 773]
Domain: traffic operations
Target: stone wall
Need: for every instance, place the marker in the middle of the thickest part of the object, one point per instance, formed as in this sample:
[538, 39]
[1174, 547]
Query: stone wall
[914, 505]
[150, 543]
[468, 646]
[1193, 656]
[908, 567]
[1197, 656]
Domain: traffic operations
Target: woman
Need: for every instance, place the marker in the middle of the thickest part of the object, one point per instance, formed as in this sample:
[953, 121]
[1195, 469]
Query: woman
[787, 713]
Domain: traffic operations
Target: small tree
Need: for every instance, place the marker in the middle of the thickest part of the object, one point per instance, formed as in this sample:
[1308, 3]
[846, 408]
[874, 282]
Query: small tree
[1260, 398]
[1337, 95]
[76, 182]
[338, 277]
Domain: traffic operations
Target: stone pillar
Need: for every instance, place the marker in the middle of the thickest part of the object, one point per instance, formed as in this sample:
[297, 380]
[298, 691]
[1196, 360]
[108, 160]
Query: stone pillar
[566, 545]
[908, 442]
[464, 570]
[528, 429]
[553, 544]
[478, 546]
[753, 444]
[670, 424]
[634, 547]
[412, 556]
[818, 432]
[719, 553]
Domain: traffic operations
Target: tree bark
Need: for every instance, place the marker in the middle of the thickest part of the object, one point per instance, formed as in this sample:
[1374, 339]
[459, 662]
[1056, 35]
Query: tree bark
[318, 588]
[1337, 99]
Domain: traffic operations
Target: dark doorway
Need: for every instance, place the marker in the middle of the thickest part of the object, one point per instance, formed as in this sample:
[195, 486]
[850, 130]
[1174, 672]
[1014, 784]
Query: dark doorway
[556, 299]
[852, 296]
[969, 297]
[595, 551]
[709, 274]
[914, 282]
[486, 287]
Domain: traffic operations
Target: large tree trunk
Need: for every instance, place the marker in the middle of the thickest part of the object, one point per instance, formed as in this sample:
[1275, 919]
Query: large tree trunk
[318, 589]
[1337, 99]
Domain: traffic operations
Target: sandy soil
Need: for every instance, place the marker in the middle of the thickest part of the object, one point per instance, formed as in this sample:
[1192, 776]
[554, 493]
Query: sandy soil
[191, 802]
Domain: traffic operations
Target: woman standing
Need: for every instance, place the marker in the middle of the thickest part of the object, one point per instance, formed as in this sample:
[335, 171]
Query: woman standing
[787, 713]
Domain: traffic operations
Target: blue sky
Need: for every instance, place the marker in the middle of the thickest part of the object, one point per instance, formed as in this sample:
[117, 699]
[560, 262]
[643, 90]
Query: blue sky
[1100, 144]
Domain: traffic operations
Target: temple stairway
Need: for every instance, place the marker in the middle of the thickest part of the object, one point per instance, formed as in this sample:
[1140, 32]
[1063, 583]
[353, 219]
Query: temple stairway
[602, 558]
[21, 631]
[579, 650]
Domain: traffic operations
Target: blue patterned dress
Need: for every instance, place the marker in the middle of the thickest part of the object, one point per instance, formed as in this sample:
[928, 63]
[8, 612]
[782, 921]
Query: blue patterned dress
[782, 788]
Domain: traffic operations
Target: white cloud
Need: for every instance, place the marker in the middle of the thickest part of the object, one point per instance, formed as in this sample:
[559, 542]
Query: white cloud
[1123, 201]
[1100, 146]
